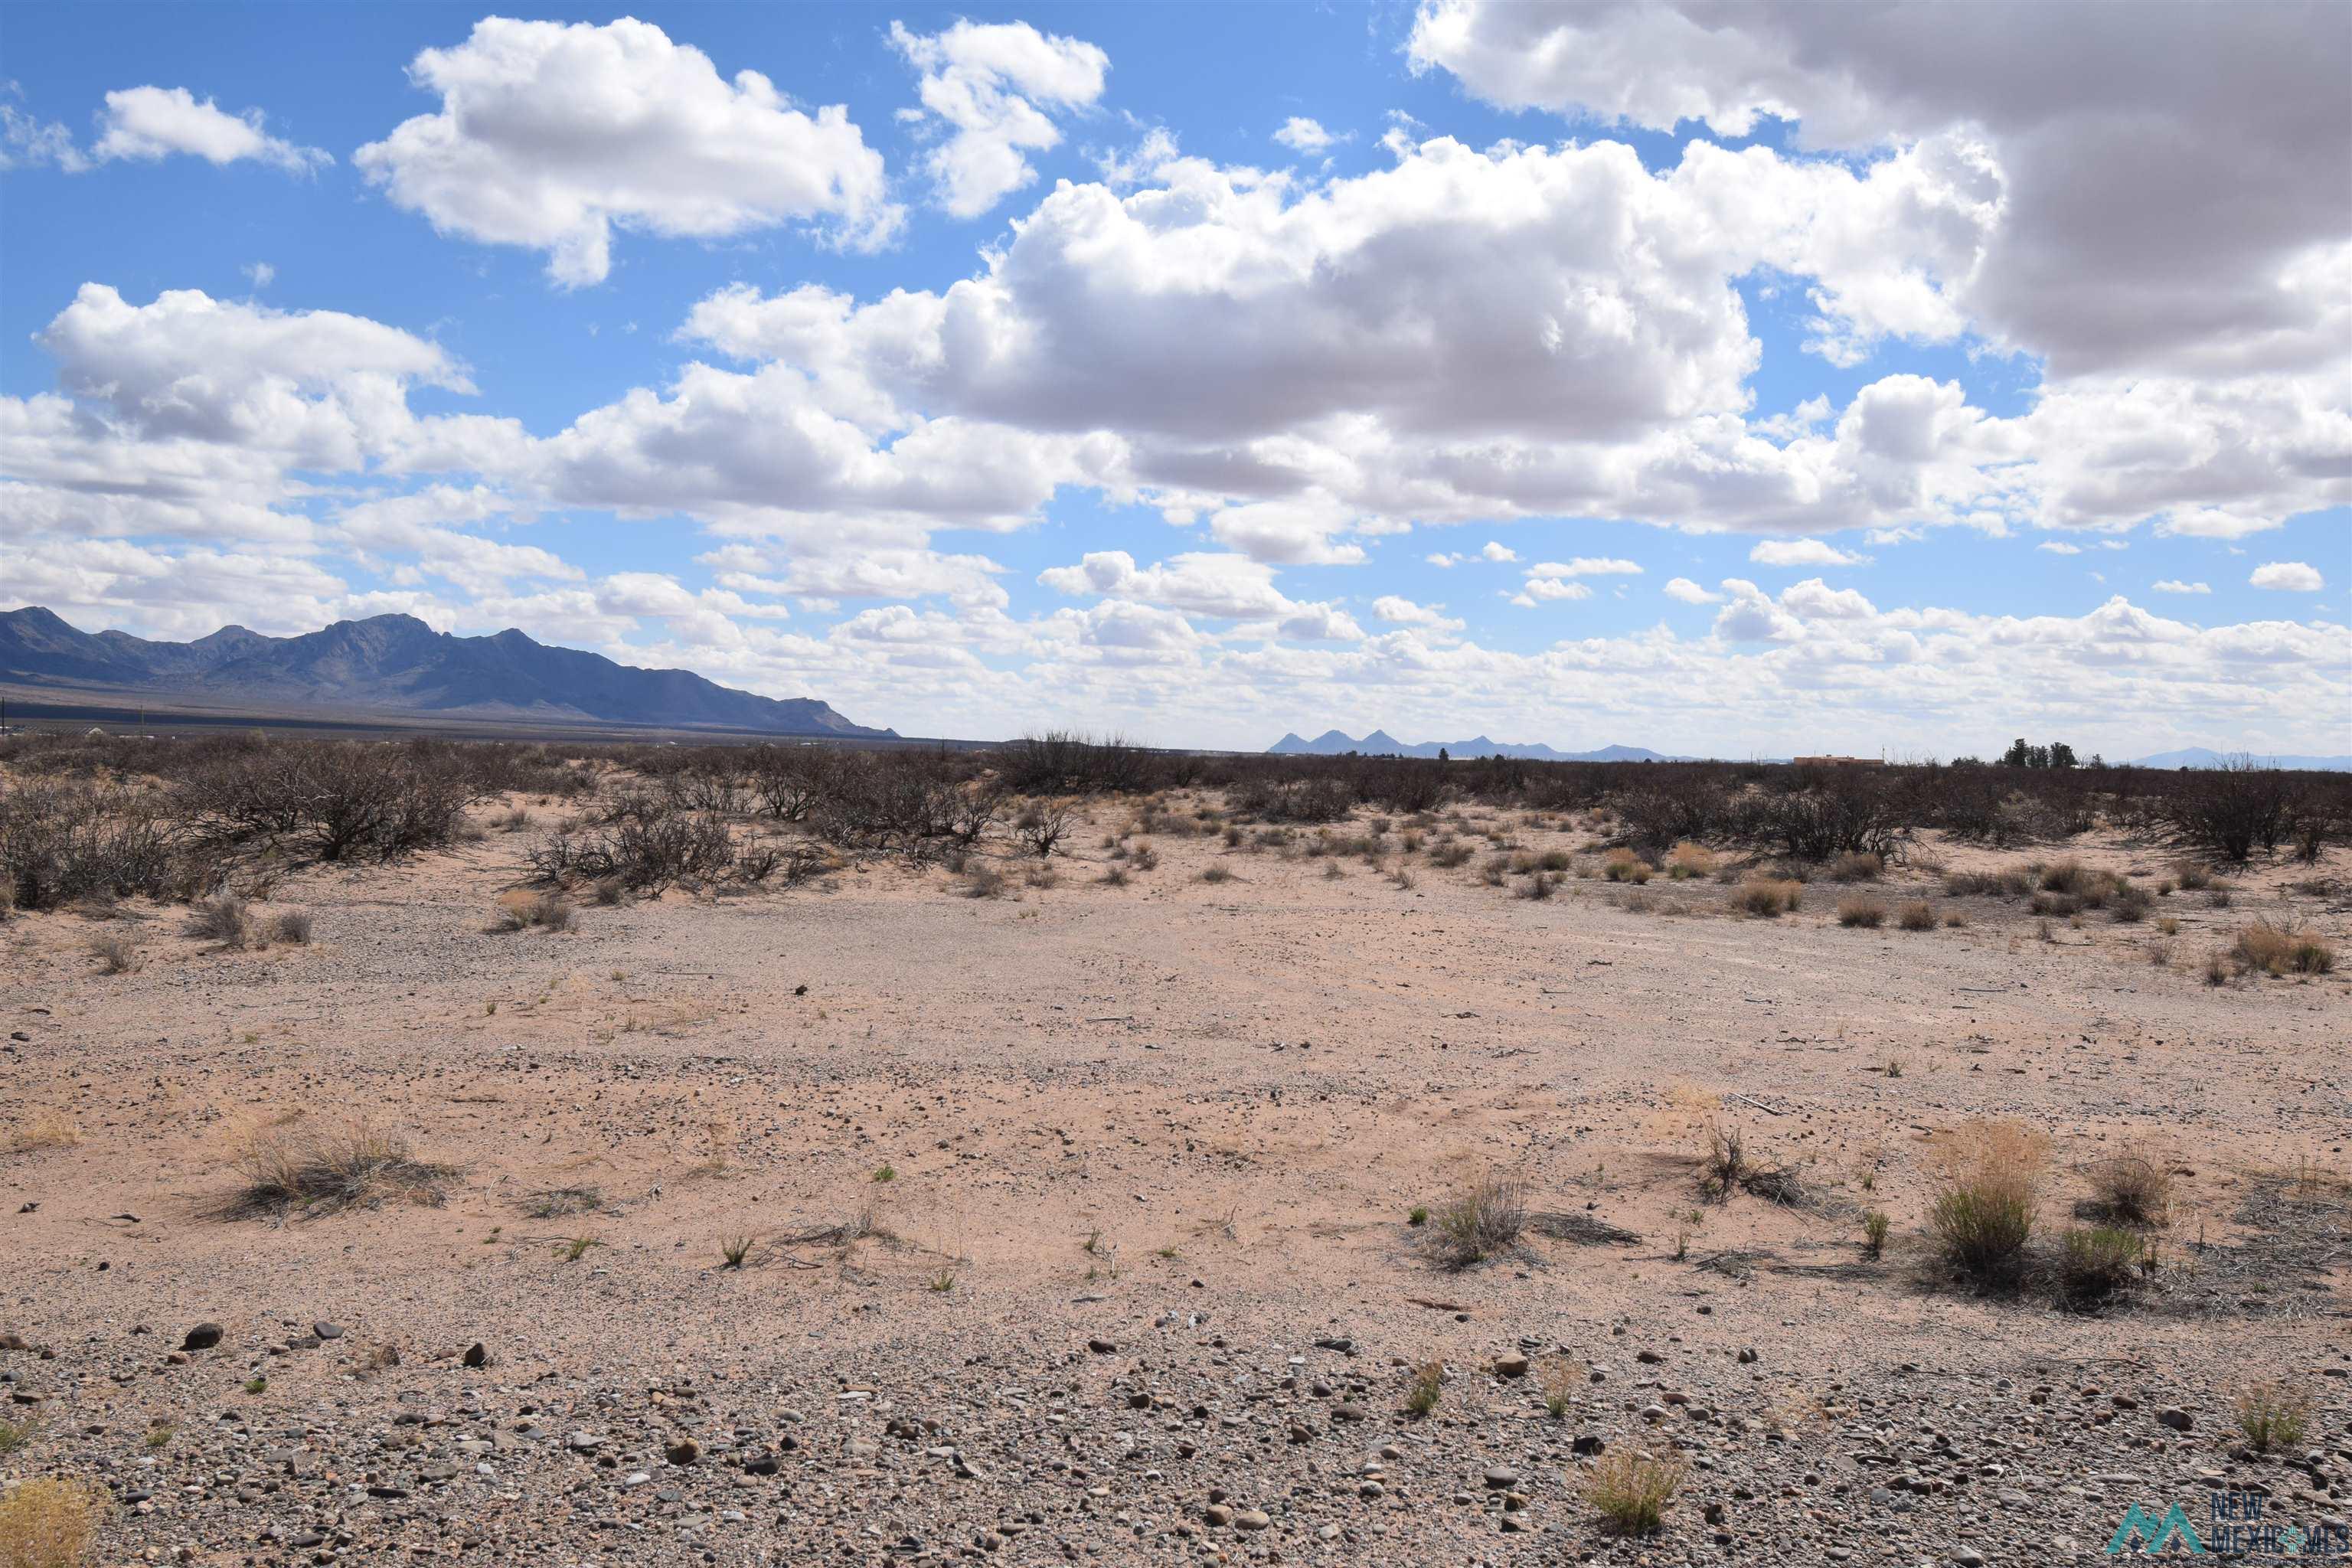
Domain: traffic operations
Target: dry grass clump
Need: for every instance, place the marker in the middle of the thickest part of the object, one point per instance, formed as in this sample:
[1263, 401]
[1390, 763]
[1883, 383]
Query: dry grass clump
[1631, 1490]
[1917, 915]
[115, 954]
[317, 1170]
[983, 880]
[2014, 882]
[2097, 1264]
[1427, 1383]
[1767, 898]
[2133, 1187]
[1865, 912]
[547, 911]
[1989, 1198]
[1723, 1157]
[2268, 949]
[220, 919]
[1624, 866]
[1485, 1220]
[47, 1129]
[1686, 860]
[2273, 1414]
[1856, 867]
[49, 1522]
[1451, 854]
[293, 927]
[1217, 874]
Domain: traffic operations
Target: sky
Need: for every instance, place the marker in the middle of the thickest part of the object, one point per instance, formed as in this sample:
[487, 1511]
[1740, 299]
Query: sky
[1732, 381]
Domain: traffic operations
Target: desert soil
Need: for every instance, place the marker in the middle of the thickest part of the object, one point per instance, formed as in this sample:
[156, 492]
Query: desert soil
[1080, 1218]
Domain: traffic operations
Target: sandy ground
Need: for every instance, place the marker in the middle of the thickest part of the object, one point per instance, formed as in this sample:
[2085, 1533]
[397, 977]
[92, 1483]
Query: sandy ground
[1080, 1217]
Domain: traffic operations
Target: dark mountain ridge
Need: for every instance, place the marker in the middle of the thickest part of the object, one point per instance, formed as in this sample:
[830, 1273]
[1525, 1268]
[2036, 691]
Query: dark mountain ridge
[392, 664]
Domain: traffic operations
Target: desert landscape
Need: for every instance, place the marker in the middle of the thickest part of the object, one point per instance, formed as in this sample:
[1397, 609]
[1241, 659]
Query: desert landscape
[1065, 1152]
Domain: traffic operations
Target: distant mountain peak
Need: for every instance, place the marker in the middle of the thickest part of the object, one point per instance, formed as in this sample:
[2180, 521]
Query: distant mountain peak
[1379, 742]
[393, 664]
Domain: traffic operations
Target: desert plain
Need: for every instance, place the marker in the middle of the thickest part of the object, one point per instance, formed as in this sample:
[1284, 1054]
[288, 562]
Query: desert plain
[1128, 1205]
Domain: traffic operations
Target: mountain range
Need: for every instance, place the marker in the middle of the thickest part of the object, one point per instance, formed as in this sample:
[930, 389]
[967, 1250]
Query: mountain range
[1380, 744]
[390, 664]
[2206, 757]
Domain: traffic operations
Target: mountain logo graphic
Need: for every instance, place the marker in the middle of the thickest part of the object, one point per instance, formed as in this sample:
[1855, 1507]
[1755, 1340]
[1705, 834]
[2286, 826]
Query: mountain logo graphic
[2144, 1532]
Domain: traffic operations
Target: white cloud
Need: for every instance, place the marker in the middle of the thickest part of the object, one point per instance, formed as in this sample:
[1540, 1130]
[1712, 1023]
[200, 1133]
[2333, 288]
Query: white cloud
[1494, 550]
[2174, 586]
[1801, 552]
[1550, 590]
[995, 87]
[2210, 133]
[1586, 566]
[2059, 547]
[1690, 593]
[152, 122]
[551, 136]
[1398, 611]
[2289, 576]
[260, 273]
[1301, 135]
[26, 142]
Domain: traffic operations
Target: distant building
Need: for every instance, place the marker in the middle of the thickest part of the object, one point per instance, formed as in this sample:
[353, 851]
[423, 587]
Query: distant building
[1841, 762]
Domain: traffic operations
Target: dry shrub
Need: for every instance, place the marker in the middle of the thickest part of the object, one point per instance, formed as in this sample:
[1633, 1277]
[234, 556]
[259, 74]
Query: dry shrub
[1688, 859]
[2274, 1415]
[115, 954]
[1449, 854]
[1421, 1390]
[320, 1170]
[1859, 911]
[1856, 867]
[1631, 1490]
[220, 919]
[1767, 897]
[2015, 883]
[2279, 950]
[2134, 1187]
[293, 927]
[1989, 1198]
[547, 911]
[985, 881]
[2096, 1265]
[1722, 1158]
[1624, 866]
[1485, 1220]
[47, 1129]
[1918, 915]
[49, 1522]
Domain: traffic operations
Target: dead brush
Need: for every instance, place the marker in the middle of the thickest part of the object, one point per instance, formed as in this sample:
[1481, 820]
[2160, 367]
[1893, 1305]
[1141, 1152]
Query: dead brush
[547, 911]
[115, 954]
[1485, 1219]
[2267, 949]
[1865, 912]
[49, 1522]
[1723, 1158]
[317, 1170]
[1624, 866]
[985, 881]
[1688, 860]
[1767, 898]
[1856, 867]
[222, 919]
[2133, 1187]
[46, 1129]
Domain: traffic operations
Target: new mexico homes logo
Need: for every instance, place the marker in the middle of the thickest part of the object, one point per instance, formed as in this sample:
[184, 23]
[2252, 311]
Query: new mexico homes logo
[2233, 1526]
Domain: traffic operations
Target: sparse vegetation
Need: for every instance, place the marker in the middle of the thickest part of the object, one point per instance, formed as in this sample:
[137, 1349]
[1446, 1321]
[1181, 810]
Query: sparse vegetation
[1631, 1490]
[115, 954]
[1876, 1224]
[1768, 897]
[2273, 1414]
[294, 1166]
[1865, 912]
[1423, 1388]
[2133, 1187]
[49, 1522]
[1917, 915]
[46, 1128]
[1989, 1198]
[2095, 1265]
[1486, 1219]
[2266, 949]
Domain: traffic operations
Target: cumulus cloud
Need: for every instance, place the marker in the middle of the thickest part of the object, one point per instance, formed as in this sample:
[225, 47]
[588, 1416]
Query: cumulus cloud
[1801, 552]
[551, 136]
[1690, 593]
[1301, 135]
[2175, 585]
[1398, 611]
[148, 124]
[2289, 576]
[1494, 550]
[994, 89]
[2212, 132]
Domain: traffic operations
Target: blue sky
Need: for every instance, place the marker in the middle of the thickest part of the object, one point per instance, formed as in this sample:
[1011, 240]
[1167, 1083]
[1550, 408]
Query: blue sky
[1821, 412]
